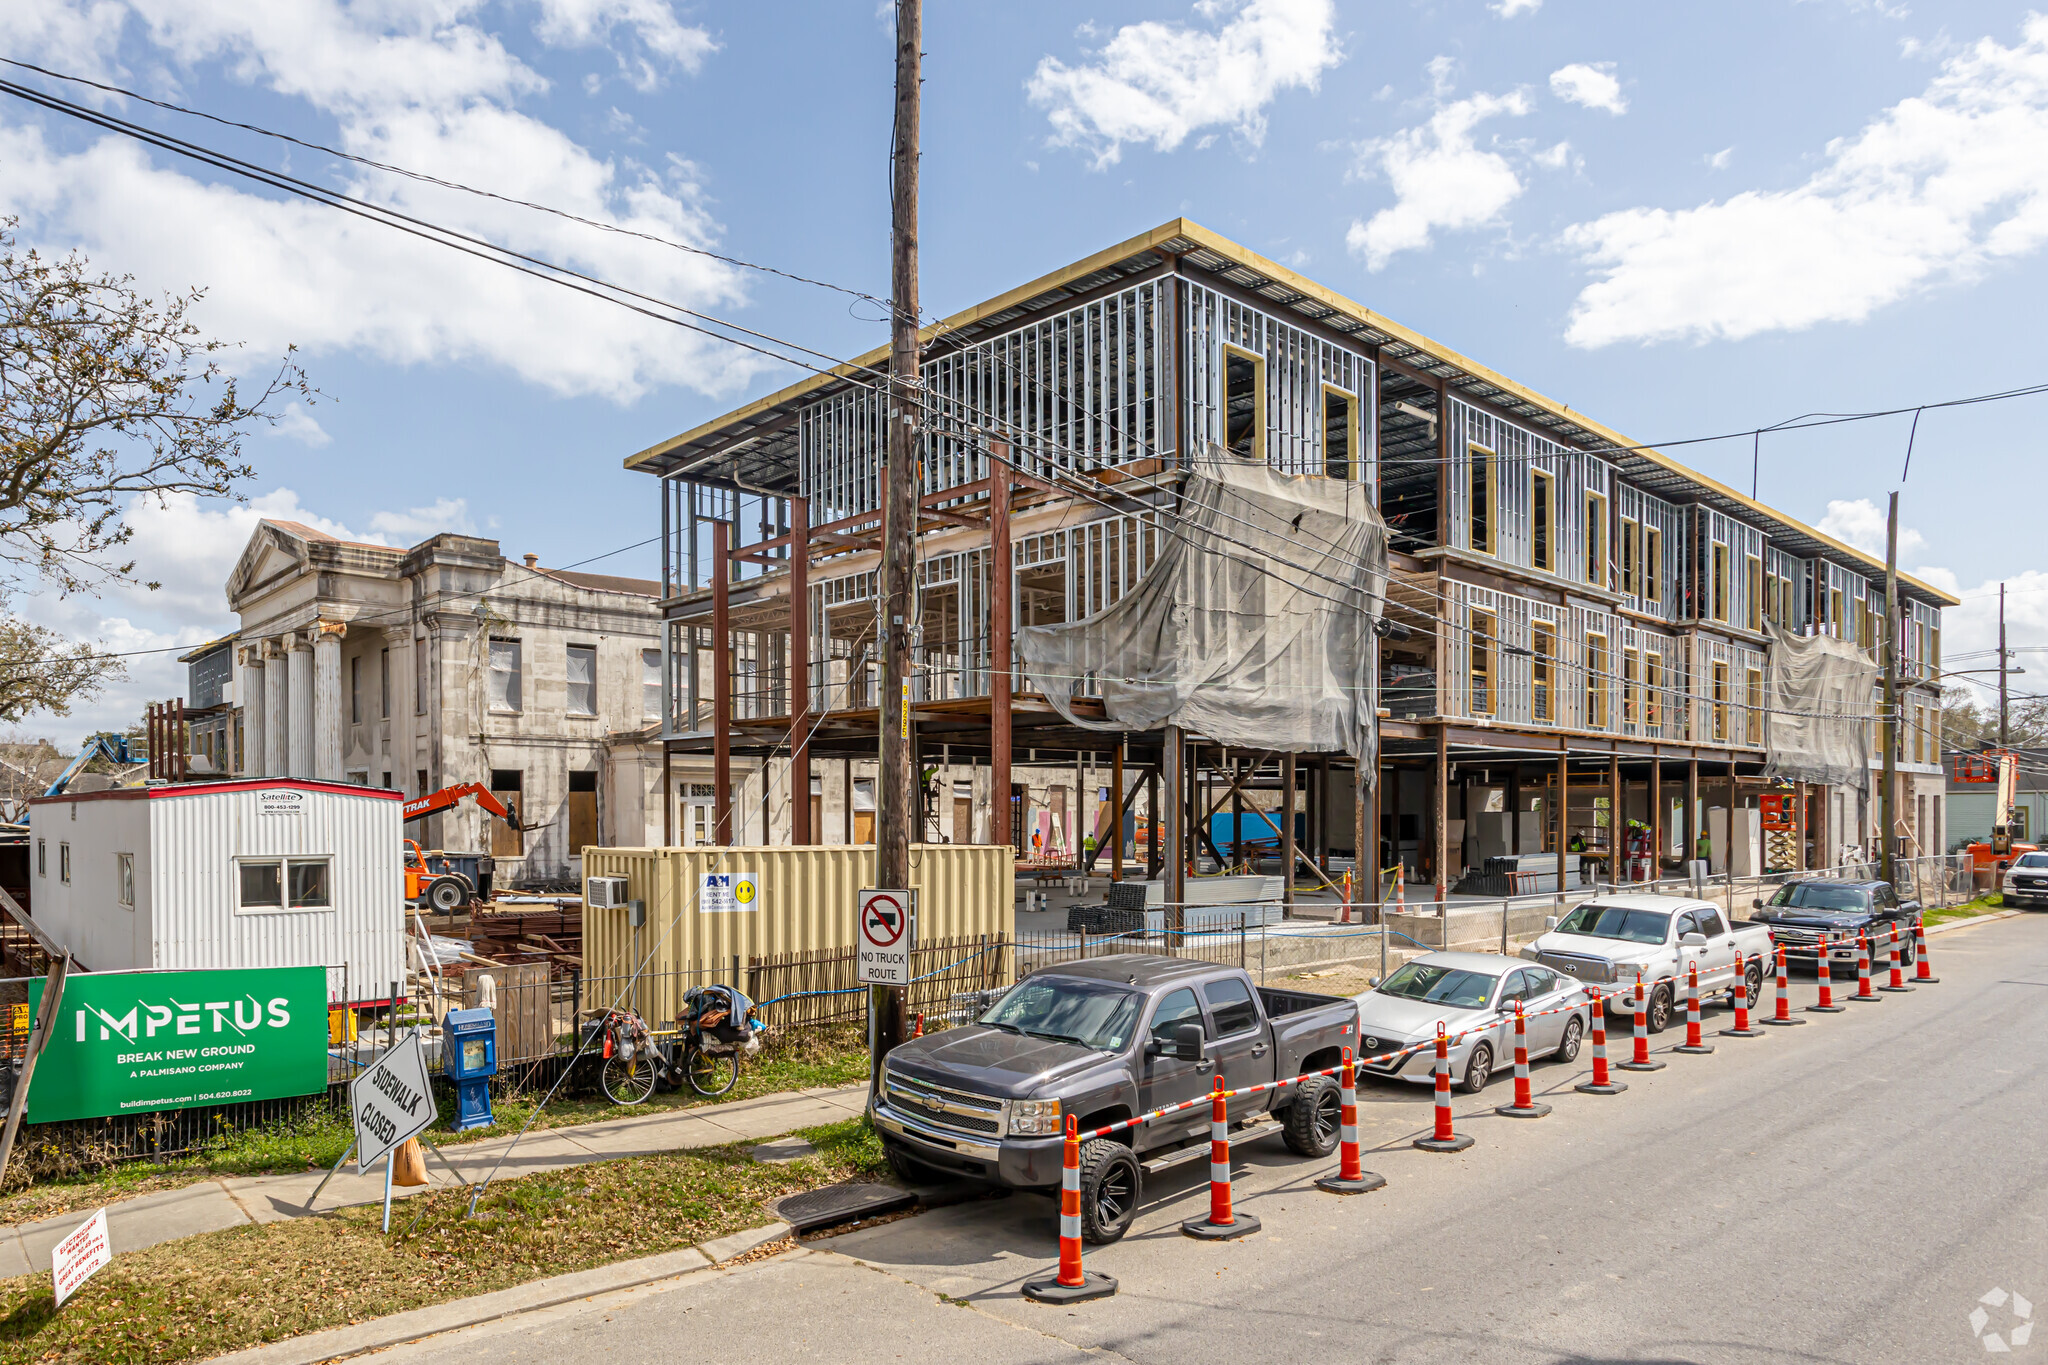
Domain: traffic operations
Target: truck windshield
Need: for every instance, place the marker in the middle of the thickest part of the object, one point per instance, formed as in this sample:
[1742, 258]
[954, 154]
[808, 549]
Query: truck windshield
[1440, 986]
[1821, 896]
[2032, 860]
[1614, 921]
[1093, 1014]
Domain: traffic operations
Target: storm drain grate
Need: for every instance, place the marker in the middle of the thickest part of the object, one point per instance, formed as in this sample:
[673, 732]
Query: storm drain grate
[813, 1209]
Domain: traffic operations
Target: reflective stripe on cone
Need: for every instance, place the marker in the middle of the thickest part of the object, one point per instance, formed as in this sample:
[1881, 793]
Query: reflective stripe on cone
[1640, 1059]
[1742, 1003]
[1221, 1224]
[1923, 970]
[1602, 1083]
[1693, 1044]
[1351, 1177]
[1863, 991]
[1896, 975]
[1525, 1106]
[1444, 1139]
[1782, 1016]
[1071, 1284]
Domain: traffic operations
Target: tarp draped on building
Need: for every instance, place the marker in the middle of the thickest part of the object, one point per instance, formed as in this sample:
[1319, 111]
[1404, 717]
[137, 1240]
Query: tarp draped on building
[1819, 717]
[1252, 628]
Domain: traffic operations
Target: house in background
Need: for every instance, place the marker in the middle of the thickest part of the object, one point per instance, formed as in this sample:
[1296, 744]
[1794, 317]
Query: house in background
[415, 669]
[213, 716]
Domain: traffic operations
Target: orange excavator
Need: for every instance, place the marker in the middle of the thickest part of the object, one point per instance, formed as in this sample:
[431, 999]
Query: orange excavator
[445, 890]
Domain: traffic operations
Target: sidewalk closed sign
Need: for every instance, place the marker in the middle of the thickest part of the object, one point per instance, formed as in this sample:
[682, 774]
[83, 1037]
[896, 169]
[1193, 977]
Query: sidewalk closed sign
[132, 1042]
[391, 1101]
[885, 937]
[79, 1255]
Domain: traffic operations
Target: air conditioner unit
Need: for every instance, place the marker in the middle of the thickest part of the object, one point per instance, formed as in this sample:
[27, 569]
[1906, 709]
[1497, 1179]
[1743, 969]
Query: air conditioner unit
[604, 893]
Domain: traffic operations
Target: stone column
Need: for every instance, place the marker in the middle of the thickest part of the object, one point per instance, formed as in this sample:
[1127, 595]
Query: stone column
[276, 709]
[299, 748]
[327, 703]
[249, 761]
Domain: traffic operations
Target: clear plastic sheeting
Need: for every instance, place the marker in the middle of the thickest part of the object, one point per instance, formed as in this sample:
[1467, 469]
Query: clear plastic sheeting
[1253, 628]
[1818, 715]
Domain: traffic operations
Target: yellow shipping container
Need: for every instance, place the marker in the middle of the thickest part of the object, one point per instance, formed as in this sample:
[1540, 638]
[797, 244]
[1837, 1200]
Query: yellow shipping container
[802, 900]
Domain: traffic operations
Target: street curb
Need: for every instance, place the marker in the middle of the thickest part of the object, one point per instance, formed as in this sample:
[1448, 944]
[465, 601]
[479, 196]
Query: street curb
[338, 1343]
[1984, 918]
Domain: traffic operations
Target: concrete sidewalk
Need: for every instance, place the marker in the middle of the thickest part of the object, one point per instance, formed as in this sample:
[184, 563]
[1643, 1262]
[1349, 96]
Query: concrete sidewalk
[231, 1201]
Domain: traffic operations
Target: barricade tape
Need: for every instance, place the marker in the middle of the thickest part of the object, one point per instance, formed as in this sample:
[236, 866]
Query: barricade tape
[1427, 1045]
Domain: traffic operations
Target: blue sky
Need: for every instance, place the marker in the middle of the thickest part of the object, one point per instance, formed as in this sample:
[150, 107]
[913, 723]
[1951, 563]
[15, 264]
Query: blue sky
[1681, 219]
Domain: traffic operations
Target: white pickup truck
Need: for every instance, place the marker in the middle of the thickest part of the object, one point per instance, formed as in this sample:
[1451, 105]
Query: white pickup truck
[1608, 939]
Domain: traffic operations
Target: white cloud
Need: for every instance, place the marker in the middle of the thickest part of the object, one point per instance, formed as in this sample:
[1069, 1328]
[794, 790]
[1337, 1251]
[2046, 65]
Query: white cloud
[1441, 178]
[432, 91]
[296, 424]
[1719, 160]
[1158, 83]
[1592, 84]
[416, 524]
[1861, 523]
[587, 23]
[1508, 9]
[1938, 188]
[1553, 158]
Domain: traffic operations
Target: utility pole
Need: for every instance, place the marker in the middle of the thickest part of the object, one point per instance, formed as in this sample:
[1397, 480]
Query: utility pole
[895, 801]
[1888, 796]
[2004, 740]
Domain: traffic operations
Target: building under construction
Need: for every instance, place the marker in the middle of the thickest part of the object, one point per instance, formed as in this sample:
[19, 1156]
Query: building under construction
[1566, 624]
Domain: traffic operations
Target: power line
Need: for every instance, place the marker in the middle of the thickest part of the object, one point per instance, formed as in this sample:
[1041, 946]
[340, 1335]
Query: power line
[424, 178]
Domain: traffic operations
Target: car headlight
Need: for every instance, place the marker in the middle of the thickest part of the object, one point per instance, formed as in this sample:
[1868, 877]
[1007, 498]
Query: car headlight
[1035, 1118]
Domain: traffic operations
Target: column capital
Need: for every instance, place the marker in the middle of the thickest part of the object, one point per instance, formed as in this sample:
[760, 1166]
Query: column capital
[323, 630]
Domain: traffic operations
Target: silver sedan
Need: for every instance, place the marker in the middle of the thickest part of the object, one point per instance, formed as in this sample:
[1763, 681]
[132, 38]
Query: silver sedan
[1473, 995]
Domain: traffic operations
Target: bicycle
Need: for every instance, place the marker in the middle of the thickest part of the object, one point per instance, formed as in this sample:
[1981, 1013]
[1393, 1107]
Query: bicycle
[632, 1063]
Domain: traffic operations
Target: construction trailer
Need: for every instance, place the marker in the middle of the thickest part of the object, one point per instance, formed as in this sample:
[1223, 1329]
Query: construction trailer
[1571, 625]
[281, 872]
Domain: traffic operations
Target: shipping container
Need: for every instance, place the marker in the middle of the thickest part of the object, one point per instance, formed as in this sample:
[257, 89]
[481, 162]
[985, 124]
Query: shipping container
[283, 872]
[802, 900]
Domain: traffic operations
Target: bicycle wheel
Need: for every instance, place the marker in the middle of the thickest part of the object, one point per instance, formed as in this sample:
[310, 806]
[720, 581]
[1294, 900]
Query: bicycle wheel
[711, 1073]
[628, 1079]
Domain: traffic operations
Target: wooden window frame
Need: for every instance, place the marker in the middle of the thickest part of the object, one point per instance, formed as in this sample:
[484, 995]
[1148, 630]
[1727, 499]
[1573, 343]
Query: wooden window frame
[1353, 432]
[1753, 701]
[1483, 659]
[1719, 673]
[1477, 458]
[1838, 607]
[1259, 398]
[1543, 671]
[1598, 559]
[1631, 547]
[1631, 685]
[1653, 690]
[1543, 494]
[1717, 579]
[1753, 579]
[1653, 562]
[1596, 680]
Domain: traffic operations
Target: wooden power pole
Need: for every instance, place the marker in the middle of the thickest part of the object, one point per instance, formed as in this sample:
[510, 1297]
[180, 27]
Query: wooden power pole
[897, 803]
[1888, 795]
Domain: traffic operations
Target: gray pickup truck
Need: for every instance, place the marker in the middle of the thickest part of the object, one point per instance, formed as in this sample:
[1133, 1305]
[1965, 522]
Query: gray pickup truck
[1103, 1040]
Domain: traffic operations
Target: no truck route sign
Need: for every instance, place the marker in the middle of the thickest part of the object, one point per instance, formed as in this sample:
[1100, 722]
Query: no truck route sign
[886, 936]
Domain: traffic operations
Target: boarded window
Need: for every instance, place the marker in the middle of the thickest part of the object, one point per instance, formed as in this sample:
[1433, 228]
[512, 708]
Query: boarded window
[1631, 686]
[650, 684]
[1719, 585]
[1753, 691]
[507, 785]
[384, 686]
[1543, 670]
[582, 678]
[1543, 521]
[1596, 539]
[1653, 564]
[1720, 703]
[1631, 557]
[505, 690]
[582, 812]
[421, 660]
[1653, 690]
[1753, 579]
[355, 690]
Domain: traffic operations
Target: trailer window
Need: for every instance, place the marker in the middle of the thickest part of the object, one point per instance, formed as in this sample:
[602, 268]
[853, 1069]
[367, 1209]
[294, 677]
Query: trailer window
[285, 884]
[124, 879]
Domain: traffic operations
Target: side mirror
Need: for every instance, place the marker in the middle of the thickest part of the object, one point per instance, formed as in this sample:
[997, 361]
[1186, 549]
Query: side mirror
[1187, 1043]
[1757, 904]
[1372, 981]
[1694, 940]
[1550, 921]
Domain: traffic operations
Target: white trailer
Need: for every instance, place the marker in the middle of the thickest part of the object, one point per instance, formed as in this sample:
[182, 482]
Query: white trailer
[281, 872]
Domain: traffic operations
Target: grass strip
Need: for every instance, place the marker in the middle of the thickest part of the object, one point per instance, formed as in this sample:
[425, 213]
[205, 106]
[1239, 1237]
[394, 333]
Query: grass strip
[223, 1291]
[810, 1060]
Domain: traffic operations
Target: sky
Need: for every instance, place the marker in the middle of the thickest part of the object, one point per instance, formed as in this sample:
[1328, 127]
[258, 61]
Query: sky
[1683, 220]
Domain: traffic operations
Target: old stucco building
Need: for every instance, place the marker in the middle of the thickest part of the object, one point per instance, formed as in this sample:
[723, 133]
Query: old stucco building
[419, 668]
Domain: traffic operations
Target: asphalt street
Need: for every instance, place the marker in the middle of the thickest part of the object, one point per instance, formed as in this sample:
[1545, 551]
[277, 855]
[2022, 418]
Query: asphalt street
[1848, 1190]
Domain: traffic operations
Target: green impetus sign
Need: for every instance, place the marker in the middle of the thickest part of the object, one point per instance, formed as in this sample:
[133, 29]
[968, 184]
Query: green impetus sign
[132, 1042]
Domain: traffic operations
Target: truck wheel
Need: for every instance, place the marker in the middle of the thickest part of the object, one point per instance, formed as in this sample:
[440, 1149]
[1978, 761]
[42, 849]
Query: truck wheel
[1478, 1069]
[446, 894]
[1659, 1017]
[1753, 983]
[1311, 1123]
[907, 1168]
[1109, 1190]
[1906, 953]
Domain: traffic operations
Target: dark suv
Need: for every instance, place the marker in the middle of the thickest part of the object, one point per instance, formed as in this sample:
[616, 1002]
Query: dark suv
[1807, 912]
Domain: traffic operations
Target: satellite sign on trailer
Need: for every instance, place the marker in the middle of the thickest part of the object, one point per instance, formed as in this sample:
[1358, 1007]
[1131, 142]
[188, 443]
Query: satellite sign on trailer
[887, 933]
[391, 1101]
